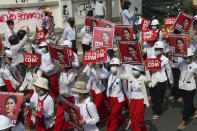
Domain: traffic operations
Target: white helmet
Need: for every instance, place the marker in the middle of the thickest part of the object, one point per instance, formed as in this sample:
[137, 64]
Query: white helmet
[115, 61]
[43, 44]
[155, 22]
[159, 44]
[190, 52]
[68, 43]
[5, 122]
[138, 67]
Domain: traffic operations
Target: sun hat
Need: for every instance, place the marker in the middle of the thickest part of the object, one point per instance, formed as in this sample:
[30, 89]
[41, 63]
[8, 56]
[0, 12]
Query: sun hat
[80, 87]
[48, 10]
[41, 83]
[115, 61]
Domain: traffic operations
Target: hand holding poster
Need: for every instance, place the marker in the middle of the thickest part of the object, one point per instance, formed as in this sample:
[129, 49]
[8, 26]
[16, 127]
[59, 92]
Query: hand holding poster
[31, 59]
[168, 22]
[130, 52]
[144, 24]
[178, 44]
[124, 32]
[183, 22]
[103, 37]
[73, 113]
[92, 22]
[40, 36]
[149, 35]
[60, 54]
[153, 64]
[10, 105]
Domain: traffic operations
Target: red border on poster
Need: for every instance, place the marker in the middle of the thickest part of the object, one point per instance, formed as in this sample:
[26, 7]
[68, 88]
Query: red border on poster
[119, 32]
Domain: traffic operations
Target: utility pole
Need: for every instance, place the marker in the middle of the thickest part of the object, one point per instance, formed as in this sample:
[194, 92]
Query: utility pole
[109, 9]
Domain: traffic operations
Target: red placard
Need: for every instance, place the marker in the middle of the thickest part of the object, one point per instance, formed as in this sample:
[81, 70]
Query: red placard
[107, 24]
[71, 54]
[73, 113]
[144, 24]
[103, 37]
[90, 56]
[92, 22]
[40, 36]
[60, 54]
[183, 22]
[124, 32]
[130, 52]
[40, 108]
[101, 54]
[153, 64]
[149, 35]
[1, 45]
[168, 22]
[178, 44]
[31, 59]
[10, 105]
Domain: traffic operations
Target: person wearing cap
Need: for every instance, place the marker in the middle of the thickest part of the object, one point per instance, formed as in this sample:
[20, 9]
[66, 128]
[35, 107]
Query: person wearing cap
[136, 94]
[159, 83]
[187, 85]
[42, 94]
[115, 95]
[70, 33]
[48, 23]
[88, 112]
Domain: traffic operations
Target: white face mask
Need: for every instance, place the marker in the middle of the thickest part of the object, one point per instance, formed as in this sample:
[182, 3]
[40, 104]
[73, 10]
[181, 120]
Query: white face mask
[158, 53]
[113, 69]
[43, 50]
[154, 27]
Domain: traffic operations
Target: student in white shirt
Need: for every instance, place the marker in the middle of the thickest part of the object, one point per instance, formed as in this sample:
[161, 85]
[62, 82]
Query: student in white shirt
[115, 95]
[100, 9]
[187, 84]
[88, 112]
[86, 39]
[160, 80]
[9, 32]
[47, 121]
[126, 15]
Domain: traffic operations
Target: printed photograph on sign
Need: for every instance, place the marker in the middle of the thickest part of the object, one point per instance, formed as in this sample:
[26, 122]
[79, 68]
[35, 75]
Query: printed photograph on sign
[72, 113]
[153, 64]
[107, 24]
[144, 24]
[60, 55]
[92, 22]
[10, 105]
[168, 22]
[149, 35]
[31, 59]
[178, 45]
[103, 37]
[130, 52]
[183, 22]
[90, 57]
[124, 32]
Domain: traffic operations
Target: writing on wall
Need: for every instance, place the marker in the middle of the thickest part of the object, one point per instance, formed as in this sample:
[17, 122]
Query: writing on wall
[65, 13]
[83, 8]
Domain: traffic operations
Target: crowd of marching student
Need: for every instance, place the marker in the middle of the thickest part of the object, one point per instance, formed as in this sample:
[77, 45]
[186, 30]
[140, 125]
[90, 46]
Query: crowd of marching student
[113, 84]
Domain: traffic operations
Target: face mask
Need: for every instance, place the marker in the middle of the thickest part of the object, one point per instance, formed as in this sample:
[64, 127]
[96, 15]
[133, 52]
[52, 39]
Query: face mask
[154, 27]
[136, 73]
[3, 61]
[40, 93]
[43, 50]
[187, 61]
[72, 23]
[158, 53]
[113, 70]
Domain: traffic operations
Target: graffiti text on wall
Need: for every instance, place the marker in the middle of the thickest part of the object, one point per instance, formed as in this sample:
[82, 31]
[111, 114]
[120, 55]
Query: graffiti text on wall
[83, 8]
[21, 1]
[18, 15]
[65, 13]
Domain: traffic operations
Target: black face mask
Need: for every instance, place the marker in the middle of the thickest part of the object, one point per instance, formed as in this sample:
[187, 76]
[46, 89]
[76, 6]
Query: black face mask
[72, 23]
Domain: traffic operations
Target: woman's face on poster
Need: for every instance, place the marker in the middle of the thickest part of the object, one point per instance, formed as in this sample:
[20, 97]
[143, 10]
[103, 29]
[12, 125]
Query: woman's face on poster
[185, 23]
[94, 24]
[10, 106]
[132, 52]
[180, 44]
[126, 35]
[60, 57]
[73, 114]
[105, 37]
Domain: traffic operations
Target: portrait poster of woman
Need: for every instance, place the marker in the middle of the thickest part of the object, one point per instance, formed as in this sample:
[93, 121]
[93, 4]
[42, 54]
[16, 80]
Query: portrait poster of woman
[10, 105]
[92, 22]
[130, 52]
[124, 32]
[178, 45]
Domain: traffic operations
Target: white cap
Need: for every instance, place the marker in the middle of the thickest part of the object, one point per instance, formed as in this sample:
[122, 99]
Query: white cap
[5, 122]
[115, 61]
[42, 44]
[159, 44]
[41, 83]
[155, 22]
[138, 67]
[68, 43]
[190, 52]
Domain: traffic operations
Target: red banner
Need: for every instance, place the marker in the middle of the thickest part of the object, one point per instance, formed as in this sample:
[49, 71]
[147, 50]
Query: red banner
[183, 22]
[107, 24]
[10, 105]
[40, 108]
[103, 37]
[73, 113]
[1, 44]
[149, 35]
[60, 54]
[153, 64]
[31, 59]
[168, 22]
[130, 52]
[124, 32]
[178, 44]
[92, 22]
[101, 54]
[144, 24]
[40, 36]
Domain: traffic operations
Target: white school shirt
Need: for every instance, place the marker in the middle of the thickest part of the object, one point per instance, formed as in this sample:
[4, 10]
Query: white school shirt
[66, 82]
[150, 51]
[127, 16]
[99, 8]
[75, 64]
[8, 33]
[69, 33]
[89, 113]
[188, 71]
[1, 79]
[86, 38]
[95, 82]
